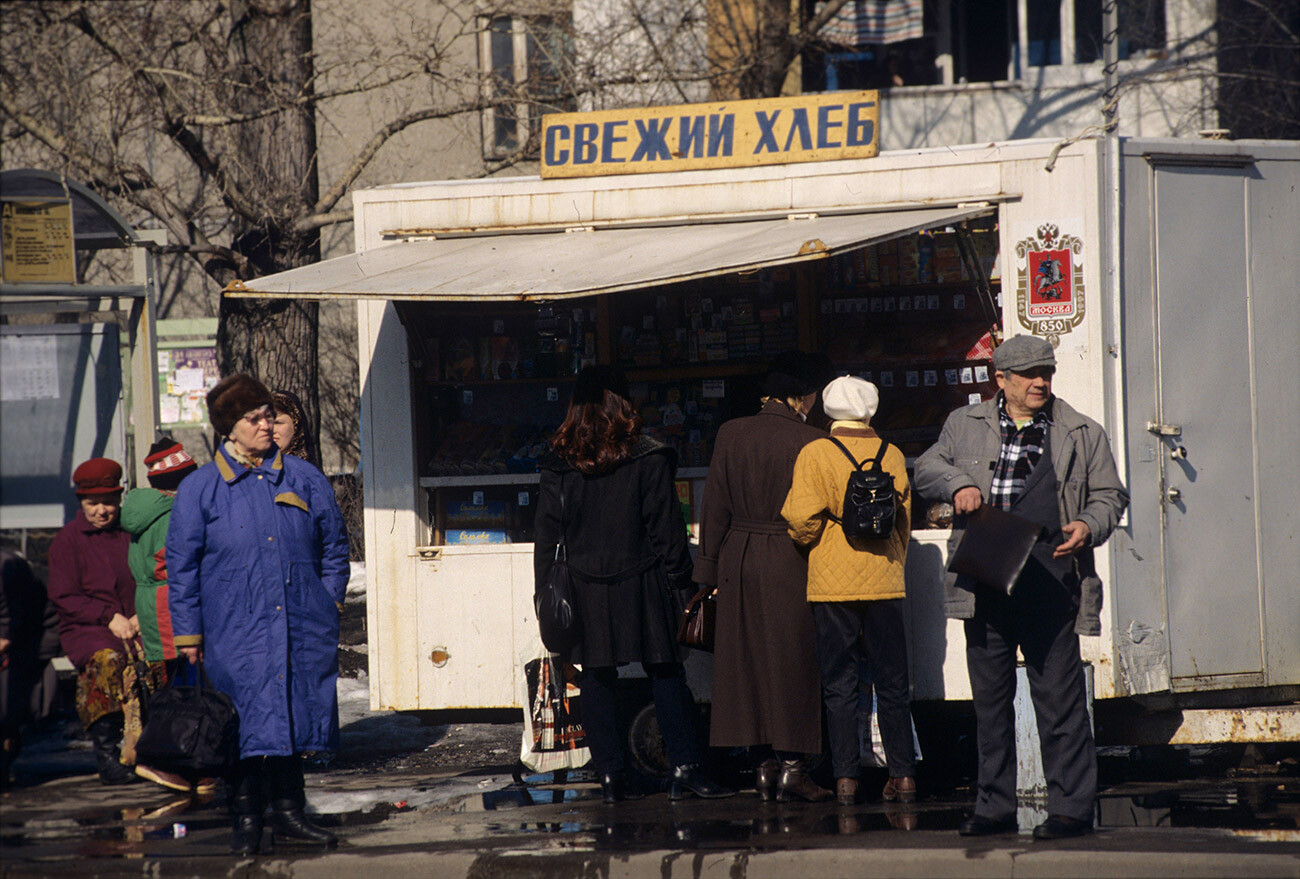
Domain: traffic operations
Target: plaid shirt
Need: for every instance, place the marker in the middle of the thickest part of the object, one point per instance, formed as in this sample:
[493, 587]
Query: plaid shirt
[1021, 449]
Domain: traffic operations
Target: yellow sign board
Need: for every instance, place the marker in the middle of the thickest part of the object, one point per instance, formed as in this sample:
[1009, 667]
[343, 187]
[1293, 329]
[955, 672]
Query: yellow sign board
[735, 134]
[36, 243]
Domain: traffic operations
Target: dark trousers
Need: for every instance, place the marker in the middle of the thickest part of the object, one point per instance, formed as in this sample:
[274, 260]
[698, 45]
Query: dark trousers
[1039, 619]
[844, 629]
[674, 709]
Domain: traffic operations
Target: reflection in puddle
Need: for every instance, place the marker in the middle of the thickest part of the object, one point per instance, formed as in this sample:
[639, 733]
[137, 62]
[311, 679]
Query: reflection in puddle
[1243, 807]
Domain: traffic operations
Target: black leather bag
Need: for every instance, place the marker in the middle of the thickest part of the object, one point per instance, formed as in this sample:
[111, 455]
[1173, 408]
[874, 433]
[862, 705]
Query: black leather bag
[994, 548]
[699, 621]
[553, 600]
[191, 731]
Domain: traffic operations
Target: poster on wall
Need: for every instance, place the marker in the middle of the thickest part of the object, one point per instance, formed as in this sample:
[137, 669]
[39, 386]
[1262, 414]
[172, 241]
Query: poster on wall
[1050, 298]
[185, 375]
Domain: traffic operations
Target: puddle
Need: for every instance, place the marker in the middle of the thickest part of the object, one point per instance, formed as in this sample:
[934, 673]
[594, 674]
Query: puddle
[1269, 805]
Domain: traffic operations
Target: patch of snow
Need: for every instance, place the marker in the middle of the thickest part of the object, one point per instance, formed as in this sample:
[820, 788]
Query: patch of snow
[356, 583]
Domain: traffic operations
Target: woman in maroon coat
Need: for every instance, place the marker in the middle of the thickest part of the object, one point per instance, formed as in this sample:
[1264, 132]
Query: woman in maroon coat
[766, 683]
[93, 591]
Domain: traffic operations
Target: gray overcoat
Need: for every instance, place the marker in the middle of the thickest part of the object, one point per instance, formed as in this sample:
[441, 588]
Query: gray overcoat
[1090, 488]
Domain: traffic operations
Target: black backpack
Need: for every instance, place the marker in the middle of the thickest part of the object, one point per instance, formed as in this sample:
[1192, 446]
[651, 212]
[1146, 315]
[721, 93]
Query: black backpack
[869, 500]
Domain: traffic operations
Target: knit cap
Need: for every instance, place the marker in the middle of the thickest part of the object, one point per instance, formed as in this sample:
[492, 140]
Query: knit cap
[168, 464]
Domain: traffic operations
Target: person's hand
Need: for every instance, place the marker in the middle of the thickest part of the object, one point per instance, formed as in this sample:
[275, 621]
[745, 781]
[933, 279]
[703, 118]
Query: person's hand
[4, 645]
[714, 593]
[120, 626]
[193, 654]
[135, 625]
[967, 500]
[1076, 538]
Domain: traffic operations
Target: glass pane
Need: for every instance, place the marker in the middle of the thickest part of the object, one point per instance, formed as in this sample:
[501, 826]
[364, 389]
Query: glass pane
[505, 125]
[550, 53]
[1044, 32]
[1087, 31]
[1141, 27]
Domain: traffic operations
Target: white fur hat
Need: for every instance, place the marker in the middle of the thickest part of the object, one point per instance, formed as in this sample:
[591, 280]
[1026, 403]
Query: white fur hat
[849, 398]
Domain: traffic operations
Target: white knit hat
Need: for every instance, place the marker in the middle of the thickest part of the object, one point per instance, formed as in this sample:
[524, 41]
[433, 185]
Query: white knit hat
[849, 398]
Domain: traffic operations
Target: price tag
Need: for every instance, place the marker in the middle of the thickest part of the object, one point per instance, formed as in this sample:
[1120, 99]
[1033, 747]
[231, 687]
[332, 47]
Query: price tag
[476, 498]
[973, 399]
[498, 327]
[523, 500]
[932, 302]
[950, 376]
[877, 305]
[552, 395]
[959, 301]
[981, 373]
[931, 378]
[919, 302]
[887, 378]
[467, 398]
[912, 378]
[967, 375]
[891, 304]
[714, 388]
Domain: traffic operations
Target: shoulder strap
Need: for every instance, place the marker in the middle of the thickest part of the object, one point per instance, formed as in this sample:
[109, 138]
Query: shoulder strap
[561, 550]
[880, 455]
[846, 452]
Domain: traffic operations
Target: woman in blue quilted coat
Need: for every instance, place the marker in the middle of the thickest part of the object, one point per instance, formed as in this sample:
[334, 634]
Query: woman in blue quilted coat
[257, 559]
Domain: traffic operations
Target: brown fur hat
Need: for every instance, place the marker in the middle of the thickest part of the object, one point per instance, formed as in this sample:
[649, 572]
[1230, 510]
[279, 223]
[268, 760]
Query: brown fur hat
[232, 397]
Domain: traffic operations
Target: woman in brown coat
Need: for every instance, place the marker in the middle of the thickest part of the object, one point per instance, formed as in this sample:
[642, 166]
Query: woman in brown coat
[766, 687]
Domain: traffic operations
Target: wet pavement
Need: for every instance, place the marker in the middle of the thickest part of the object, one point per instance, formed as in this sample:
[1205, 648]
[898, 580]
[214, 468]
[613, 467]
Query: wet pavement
[480, 823]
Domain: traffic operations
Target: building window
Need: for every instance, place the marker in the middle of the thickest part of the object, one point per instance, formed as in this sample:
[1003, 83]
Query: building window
[526, 63]
[998, 41]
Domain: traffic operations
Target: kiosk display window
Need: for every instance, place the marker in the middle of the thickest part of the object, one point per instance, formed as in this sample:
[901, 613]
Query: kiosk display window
[915, 315]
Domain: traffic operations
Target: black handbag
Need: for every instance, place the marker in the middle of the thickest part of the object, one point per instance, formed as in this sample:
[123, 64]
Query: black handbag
[699, 621]
[557, 611]
[191, 731]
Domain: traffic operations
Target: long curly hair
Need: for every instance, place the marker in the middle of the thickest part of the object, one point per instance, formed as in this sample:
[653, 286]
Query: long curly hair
[601, 428]
[302, 445]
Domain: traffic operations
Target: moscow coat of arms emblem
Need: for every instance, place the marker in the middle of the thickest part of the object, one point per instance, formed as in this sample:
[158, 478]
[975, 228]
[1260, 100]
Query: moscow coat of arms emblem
[1049, 289]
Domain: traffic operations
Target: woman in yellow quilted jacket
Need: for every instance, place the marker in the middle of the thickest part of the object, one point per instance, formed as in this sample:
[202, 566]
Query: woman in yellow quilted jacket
[855, 587]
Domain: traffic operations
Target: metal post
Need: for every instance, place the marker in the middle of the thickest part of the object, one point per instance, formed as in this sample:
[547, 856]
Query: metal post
[1031, 781]
[144, 356]
[1110, 64]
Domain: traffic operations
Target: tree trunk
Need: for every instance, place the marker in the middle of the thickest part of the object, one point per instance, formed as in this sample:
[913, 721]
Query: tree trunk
[276, 341]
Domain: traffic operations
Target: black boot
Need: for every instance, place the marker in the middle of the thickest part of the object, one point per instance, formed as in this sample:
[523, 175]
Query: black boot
[765, 778]
[288, 798]
[246, 806]
[618, 786]
[106, 736]
[690, 778]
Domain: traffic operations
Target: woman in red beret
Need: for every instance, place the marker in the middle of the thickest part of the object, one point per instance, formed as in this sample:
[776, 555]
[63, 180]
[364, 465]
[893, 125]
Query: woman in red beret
[93, 591]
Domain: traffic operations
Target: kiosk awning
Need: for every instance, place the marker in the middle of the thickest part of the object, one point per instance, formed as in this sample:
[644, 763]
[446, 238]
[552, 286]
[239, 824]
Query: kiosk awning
[556, 265]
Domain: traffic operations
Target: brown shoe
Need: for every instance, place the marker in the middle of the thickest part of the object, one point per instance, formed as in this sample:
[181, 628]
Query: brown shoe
[795, 782]
[900, 790]
[846, 791]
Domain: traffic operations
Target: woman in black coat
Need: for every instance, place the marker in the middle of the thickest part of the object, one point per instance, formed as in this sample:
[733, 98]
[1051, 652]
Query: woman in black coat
[626, 542]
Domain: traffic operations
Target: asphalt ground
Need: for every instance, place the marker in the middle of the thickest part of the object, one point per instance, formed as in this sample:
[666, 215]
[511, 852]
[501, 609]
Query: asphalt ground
[478, 821]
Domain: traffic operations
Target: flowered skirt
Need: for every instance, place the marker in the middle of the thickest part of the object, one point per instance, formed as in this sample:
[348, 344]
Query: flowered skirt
[100, 690]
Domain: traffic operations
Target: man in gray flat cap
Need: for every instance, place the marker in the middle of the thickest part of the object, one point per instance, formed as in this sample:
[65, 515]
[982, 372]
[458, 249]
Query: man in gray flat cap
[1032, 454]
